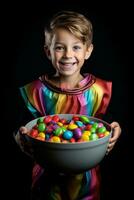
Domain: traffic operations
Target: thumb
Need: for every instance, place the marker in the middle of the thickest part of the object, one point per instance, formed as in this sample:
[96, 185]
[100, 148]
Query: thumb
[23, 130]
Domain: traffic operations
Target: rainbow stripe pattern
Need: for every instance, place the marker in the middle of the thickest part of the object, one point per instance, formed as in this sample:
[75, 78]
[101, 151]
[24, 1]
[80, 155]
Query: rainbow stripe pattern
[91, 98]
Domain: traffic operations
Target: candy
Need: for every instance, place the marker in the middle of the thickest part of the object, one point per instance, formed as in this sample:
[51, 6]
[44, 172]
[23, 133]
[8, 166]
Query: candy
[34, 133]
[67, 135]
[58, 131]
[77, 133]
[77, 129]
[41, 127]
[84, 119]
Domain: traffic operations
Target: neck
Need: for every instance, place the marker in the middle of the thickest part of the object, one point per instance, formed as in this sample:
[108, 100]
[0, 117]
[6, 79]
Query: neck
[68, 82]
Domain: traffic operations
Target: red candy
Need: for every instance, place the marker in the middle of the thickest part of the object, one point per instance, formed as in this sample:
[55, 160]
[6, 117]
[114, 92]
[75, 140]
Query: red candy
[34, 133]
[55, 118]
[47, 119]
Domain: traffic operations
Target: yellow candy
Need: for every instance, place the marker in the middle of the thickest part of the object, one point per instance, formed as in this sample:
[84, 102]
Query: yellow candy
[85, 137]
[41, 134]
[107, 133]
[55, 139]
[72, 126]
[59, 124]
[87, 133]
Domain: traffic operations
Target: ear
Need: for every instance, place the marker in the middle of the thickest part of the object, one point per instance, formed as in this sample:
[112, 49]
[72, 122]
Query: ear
[89, 51]
[47, 52]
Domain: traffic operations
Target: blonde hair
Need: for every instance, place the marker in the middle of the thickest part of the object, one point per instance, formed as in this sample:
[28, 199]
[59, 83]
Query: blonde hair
[74, 22]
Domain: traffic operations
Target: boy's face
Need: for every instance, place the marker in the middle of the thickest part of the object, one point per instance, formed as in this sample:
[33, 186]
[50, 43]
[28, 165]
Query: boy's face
[67, 53]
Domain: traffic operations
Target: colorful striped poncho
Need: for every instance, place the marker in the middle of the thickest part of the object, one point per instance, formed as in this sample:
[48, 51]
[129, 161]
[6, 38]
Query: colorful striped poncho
[91, 98]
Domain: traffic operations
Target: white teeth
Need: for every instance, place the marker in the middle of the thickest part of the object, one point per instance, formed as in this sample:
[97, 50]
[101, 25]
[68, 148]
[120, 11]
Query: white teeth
[67, 63]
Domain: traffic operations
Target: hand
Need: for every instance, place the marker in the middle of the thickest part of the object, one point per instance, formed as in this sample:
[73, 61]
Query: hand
[115, 135]
[23, 143]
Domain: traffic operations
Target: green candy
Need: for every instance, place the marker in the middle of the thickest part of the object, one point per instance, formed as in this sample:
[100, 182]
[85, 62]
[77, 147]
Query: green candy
[93, 136]
[41, 127]
[40, 120]
[93, 130]
[58, 131]
[63, 128]
[102, 129]
[95, 125]
[84, 119]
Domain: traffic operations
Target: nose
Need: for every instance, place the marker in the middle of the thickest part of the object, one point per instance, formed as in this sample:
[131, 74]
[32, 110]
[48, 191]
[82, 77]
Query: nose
[68, 53]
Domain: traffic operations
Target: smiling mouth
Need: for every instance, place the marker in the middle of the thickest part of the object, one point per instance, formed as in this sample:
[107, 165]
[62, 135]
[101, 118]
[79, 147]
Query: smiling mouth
[67, 63]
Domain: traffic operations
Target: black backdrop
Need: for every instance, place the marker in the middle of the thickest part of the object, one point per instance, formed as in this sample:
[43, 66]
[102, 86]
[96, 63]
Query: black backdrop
[26, 61]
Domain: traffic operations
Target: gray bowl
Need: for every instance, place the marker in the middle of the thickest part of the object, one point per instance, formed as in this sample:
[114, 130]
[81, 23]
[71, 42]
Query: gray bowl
[69, 157]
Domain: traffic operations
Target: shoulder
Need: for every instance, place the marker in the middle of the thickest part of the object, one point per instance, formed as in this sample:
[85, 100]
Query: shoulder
[102, 87]
[101, 81]
[105, 84]
[36, 84]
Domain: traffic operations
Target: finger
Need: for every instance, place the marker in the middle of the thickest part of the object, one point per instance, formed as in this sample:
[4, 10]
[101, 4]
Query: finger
[116, 131]
[23, 130]
[113, 139]
[110, 147]
[116, 127]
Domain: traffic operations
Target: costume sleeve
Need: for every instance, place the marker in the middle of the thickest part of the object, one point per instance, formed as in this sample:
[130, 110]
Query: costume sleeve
[32, 95]
[104, 94]
[27, 102]
[21, 113]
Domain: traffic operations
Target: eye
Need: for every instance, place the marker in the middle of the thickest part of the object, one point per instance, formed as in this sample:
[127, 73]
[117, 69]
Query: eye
[59, 48]
[76, 47]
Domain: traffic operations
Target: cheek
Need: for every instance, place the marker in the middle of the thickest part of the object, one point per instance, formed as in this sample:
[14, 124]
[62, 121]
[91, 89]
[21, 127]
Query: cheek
[82, 56]
[57, 55]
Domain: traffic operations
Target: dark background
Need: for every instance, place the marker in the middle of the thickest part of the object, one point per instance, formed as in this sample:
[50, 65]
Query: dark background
[25, 61]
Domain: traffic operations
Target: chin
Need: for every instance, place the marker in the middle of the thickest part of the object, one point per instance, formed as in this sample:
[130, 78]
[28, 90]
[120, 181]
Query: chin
[67, 73]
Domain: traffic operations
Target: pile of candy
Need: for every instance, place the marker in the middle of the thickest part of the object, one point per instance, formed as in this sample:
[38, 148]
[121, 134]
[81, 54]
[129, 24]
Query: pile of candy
[77, 129]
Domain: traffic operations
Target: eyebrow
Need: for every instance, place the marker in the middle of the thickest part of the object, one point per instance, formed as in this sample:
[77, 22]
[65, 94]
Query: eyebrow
[73, 43]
